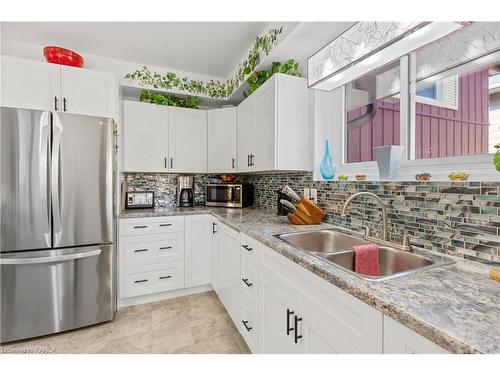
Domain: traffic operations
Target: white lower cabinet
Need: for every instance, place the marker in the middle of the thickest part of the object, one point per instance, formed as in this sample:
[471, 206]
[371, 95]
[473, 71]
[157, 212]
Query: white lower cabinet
[198, 252]
[228, 270]
[401, 340]
[302, 313]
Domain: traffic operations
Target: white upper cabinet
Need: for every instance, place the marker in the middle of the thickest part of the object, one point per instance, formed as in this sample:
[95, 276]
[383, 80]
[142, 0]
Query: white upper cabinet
[246, 134]
[43, 86]
[145, 137]
[187, 140]
[273, 130]
[265, 127]
[30, 84]
[222, 140]
[88, 92]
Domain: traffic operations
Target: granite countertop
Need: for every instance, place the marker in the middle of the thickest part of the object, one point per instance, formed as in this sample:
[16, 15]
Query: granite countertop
[456, 306]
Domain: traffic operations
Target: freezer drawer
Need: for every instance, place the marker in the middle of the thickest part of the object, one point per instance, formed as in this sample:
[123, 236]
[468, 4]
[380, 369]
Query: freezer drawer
[50, 291]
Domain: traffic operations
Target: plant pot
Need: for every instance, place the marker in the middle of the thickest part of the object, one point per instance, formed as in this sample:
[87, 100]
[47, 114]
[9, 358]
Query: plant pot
[388, 159]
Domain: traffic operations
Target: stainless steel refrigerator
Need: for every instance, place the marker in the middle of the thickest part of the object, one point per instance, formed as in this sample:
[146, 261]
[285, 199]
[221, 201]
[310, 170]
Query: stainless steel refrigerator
[57, 257]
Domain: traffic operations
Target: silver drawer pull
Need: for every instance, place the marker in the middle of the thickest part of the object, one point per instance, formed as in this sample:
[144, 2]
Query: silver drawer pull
[247, 283]
[165, 247]
[247, 248]
[165, 277]
[140, 281]
[140, 250]
[140, 226]
[165, 225]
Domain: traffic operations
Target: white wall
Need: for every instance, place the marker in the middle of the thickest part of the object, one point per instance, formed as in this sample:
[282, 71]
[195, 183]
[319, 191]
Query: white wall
[35, 52]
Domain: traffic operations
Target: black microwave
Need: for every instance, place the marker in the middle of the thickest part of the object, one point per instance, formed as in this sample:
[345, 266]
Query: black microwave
[229, 195]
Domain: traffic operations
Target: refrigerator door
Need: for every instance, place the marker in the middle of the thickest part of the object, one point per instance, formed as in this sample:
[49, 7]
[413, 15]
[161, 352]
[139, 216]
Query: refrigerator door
[81, 168]
[50, 291]
[25, 179]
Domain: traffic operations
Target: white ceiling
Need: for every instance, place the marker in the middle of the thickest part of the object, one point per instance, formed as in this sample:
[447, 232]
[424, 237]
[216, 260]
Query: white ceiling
[208, 48]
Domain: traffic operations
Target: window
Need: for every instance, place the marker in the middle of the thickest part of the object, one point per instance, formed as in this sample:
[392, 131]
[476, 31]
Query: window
[372, 104]
[463, 120]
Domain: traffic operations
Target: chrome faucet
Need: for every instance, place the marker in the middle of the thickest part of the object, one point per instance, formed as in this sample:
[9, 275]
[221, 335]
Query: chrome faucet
[382, 205]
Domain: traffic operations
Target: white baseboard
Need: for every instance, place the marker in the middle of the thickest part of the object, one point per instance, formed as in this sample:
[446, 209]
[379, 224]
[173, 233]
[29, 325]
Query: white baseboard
[139, 300]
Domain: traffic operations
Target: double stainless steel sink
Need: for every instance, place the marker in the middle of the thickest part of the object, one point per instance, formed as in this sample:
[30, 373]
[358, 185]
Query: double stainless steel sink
[336, 248]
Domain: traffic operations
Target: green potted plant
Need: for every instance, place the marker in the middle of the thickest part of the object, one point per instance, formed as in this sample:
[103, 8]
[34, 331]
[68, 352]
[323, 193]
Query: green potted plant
[290, 67]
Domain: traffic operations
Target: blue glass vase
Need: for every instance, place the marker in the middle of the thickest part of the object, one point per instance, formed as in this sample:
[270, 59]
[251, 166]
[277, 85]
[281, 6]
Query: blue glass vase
[327, 167]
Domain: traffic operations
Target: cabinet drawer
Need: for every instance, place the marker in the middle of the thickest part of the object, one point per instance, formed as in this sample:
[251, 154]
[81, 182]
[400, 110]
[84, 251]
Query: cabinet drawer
[249, 282]
[133, 227]
[151, 249]
[142, 280]
[248, 249]
[249, 327]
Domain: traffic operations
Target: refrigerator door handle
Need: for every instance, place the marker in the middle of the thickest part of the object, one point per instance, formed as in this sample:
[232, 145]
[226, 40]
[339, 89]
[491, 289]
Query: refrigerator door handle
[44, 172]
[57, 130]
[52, 259]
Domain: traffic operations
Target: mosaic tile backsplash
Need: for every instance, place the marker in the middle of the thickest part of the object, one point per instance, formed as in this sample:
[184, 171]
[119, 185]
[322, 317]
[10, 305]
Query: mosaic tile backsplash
[459, 218]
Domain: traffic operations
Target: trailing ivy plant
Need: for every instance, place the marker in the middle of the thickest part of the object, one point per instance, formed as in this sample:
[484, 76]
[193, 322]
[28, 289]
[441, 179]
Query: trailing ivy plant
[214, 89]
[162, 99]
[256, 80]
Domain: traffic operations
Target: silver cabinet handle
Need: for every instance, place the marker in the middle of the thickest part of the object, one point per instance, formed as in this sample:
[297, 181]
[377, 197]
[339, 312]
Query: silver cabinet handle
[171, 163]
[55, 103]
[140, 281]
[140, 226]
[165, 161]
[56, 148]
[165, 277]
[140, 250]
[247, 283]
[64, 104]
[247, 248]
[51, 259]
[232, 163]
[166, 225]
[165, 247]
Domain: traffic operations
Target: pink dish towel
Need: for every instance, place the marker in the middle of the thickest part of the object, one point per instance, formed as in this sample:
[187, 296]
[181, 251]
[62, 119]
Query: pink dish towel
[366, 259]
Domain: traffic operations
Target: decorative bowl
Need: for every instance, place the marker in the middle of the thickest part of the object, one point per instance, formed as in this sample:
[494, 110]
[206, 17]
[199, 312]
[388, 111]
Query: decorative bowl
[423, 177]
[62, 56]
[343, 177]
[228, 177]
[361, 177]
[458, 176]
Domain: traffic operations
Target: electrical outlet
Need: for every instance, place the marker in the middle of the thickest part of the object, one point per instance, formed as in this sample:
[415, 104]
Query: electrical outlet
[313, 194]
[307, 193]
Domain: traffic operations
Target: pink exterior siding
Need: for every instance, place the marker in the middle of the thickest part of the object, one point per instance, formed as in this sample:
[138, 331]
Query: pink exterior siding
[439, 131]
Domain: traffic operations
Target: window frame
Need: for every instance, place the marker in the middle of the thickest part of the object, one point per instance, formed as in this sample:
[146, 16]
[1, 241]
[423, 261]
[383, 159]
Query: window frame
[480, 167]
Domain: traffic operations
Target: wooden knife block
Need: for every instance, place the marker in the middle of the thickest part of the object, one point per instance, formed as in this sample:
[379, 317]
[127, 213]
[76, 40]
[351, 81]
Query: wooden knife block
[307, 213]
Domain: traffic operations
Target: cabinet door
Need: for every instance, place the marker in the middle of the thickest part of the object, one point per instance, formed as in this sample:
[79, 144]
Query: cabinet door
[265, 126]
[399, 339]
[30, 84]
[198, 230]
[276, 317]
[145, 137]
[214, 245]
[188, 140]
[88, 92]
[246, 134]
[228, 271]
[222, 140]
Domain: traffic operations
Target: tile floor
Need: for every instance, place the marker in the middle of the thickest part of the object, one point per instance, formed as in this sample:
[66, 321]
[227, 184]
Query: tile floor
[192, 324]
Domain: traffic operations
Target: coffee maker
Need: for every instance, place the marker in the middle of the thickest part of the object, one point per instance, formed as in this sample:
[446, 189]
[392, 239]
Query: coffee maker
[185, 191]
